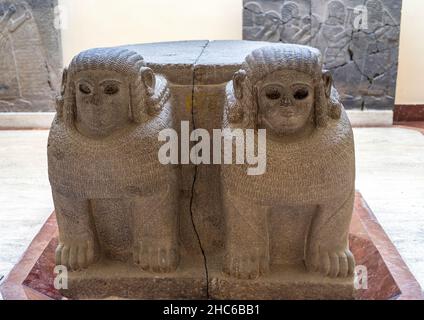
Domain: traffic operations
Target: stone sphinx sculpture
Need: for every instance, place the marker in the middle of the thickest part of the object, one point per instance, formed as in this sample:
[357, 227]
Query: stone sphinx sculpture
[308, 188]
[124, 217]
[112, 197]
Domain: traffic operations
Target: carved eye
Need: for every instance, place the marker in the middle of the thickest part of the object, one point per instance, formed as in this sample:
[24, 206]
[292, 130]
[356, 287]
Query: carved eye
[273, 94]
[85, 89]
[301, 94]
[111, 89]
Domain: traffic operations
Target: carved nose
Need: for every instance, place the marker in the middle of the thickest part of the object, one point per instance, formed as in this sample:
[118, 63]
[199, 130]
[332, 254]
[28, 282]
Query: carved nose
[95, 100]
[285, 101]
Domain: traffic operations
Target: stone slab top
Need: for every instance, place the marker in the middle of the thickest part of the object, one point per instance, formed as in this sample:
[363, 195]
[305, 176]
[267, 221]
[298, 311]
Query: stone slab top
[199, 62]
[221, 59]
[173, 59]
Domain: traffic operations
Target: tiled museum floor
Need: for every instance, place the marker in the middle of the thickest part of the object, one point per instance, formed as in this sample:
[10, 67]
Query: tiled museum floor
[390, 175]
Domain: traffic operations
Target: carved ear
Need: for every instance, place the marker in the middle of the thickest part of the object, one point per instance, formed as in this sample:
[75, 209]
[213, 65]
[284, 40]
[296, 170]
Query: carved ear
[327, 79]
[60, 99]
[149, 80]
[64, 81]
[238, 80]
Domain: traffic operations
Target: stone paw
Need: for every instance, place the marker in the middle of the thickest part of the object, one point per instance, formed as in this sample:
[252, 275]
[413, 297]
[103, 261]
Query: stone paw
[156, 258]
[75, 254]
[331, 263]
[245, 266]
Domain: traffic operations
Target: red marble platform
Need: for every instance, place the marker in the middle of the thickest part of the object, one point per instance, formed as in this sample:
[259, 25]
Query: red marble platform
[388, 275]
[408, 113]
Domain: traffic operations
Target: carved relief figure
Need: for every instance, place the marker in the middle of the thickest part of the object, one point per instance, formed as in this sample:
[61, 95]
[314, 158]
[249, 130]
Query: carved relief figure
[112, 197]
[9, 23]
[336, 34]
[310, 166]
[375, 50]
[254, 20]
[260, 25]
[311, 28]
[293, 29]
[270, 30]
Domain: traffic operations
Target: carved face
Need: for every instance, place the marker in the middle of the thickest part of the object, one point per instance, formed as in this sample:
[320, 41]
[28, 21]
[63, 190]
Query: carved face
[337, 12]
[286, 102]
[102, 102]
[272, 18]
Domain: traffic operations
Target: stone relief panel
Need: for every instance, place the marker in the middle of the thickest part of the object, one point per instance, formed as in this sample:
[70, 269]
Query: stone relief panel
[30, 54]
[274, 21]
[359, 40]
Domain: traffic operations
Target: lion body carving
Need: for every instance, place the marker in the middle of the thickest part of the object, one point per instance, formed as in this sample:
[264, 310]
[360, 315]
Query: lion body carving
[112, 197]
[310, 164]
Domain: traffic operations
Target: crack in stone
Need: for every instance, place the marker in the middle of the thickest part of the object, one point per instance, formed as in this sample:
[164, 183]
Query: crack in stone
[355, 64]
[379, 50]
[49, 80]
[351, 55]
[195, 173]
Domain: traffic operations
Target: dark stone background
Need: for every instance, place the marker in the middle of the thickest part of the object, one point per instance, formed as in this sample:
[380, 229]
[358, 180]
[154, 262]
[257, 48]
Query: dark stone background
[30, 58]
[362, 54]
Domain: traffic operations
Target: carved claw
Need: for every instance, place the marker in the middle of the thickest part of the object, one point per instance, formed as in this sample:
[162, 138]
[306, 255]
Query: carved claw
[245, 266]
[76, 254]
[331, 263]
[156, 258]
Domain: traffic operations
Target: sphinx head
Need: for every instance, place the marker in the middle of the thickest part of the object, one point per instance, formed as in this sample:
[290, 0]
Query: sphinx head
[105, 90]
[282, 89]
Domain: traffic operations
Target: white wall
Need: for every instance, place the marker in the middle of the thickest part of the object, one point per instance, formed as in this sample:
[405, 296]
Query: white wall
[94, 23]
[410, 89]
